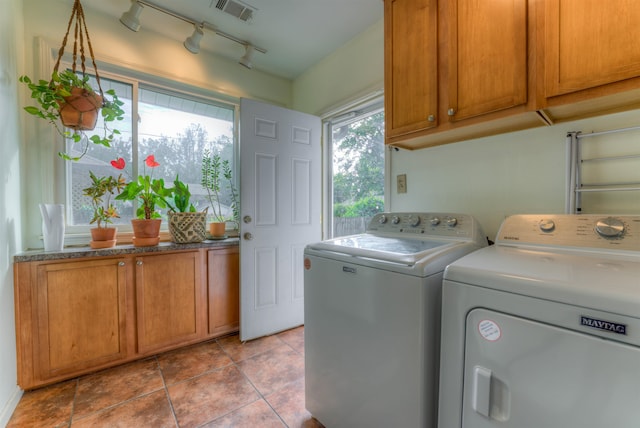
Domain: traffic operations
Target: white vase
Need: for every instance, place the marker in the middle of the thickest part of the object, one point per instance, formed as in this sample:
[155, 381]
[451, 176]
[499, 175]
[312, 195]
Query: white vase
[52, 226]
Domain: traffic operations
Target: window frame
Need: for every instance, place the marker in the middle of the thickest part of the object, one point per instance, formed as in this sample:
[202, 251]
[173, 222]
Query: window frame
[77, 234]
[348, 113]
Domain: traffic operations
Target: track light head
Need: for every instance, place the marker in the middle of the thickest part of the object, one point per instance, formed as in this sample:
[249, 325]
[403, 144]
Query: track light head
[193, 41]
[130, 19]
[246, 59]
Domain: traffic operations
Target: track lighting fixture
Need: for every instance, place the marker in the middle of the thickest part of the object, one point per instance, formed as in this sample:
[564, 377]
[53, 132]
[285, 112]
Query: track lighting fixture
[246, 59]
[131, 20]
[193, 41]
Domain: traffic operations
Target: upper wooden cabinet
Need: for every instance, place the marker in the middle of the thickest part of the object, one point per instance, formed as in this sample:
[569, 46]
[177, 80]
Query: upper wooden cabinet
[592, 57]
[505, 65]
[485, 56]
[411, 65]
[456, 70]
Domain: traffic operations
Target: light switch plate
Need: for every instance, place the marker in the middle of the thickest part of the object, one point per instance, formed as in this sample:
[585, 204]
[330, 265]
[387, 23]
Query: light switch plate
[402, 183]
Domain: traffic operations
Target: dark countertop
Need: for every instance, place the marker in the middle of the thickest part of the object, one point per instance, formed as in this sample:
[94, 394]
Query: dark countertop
[86, 251]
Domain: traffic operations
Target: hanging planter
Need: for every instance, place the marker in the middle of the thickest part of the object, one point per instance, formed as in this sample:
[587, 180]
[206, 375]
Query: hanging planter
[69, 102]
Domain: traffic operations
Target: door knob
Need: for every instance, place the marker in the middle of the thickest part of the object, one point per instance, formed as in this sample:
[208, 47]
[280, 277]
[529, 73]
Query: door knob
[248, 236]
[247, 219]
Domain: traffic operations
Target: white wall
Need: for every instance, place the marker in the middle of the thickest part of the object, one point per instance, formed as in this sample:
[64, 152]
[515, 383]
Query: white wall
[11, 46]
[352, 71]
[518, 173]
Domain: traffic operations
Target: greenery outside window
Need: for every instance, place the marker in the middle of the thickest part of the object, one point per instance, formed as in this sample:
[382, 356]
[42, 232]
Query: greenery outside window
[356, 169]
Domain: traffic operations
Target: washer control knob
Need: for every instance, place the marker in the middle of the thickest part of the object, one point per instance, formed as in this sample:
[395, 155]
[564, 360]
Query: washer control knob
[414, 220]
[395, 219]
[451, 221]
[610, 227]
[546, 225]
[434, 221]
[382, 219]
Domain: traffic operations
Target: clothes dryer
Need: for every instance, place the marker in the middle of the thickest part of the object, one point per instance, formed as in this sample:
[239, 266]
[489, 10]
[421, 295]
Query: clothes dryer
[543, 328]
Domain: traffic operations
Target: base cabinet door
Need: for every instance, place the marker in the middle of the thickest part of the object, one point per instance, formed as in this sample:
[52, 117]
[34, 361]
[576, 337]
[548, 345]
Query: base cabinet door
[224, 290]
[81, 316]
[169, 296]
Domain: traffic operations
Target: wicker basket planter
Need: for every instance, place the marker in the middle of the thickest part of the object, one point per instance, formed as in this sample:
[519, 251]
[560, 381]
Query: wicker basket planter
[187, 227]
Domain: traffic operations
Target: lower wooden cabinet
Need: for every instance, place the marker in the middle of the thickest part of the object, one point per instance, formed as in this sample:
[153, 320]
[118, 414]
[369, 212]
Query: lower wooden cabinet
[77, 316]
[170, 299]
[224, 290]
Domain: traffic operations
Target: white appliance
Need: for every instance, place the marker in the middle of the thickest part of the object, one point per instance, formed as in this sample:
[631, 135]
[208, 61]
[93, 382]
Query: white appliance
[372, 311]
[543, 328]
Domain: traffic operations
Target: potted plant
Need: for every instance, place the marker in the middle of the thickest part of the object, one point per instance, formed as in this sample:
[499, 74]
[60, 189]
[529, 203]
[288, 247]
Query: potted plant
[100, 191]
[215, 171]
[150, 194]
[69, 102]
[69, 97]
[186, 225]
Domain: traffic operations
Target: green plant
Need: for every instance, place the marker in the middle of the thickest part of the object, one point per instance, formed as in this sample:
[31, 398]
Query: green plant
[103, 210]
[181, 198]
[214, 171]
[51, 96]
[150, 192]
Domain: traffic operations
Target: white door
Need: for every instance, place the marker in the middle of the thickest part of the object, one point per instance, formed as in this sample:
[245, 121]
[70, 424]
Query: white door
[280, 176]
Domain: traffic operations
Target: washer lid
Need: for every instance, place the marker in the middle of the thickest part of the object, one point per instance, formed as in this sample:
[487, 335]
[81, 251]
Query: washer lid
[391, 249]
[609, 282]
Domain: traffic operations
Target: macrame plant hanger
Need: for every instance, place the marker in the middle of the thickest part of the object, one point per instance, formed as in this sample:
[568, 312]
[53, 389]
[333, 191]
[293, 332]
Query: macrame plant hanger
[87, 100]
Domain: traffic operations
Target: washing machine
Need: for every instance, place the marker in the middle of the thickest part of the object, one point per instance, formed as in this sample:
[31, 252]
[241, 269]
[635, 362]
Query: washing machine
[542, 329]
[372, 319]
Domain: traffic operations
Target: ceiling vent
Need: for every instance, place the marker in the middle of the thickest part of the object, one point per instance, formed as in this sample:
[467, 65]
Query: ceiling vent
[236, 8]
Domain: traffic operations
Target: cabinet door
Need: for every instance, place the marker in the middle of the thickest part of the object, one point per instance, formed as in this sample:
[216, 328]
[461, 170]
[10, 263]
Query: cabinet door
[590, 43]
[81, 315]
[170, 294]
[487, 56]
[224, 282]
[411, 61]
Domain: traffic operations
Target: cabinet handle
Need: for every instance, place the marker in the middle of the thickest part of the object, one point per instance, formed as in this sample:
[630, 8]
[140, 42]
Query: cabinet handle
[451, 112]
[139, 262]
[120, 263]
[431, 118]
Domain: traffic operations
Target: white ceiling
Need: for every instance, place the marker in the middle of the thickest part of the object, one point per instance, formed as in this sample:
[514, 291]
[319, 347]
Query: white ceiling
[295, 33]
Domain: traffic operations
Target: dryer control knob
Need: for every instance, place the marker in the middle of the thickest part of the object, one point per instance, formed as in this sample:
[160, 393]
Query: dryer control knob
[451, 221]
[414, 220]
[434, 221]
[382, 219]
[610, 227]
[395, 219]
[547, 225]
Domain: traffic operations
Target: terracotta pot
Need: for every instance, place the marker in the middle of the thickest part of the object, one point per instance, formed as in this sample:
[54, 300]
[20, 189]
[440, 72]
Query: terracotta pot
[217, 229]
[81, 109]
[103, 237]
[146, 233]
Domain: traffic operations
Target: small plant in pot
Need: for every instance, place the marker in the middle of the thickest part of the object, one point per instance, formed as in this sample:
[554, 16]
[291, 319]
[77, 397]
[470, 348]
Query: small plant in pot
[150, 194]
[71, 105]
[186, 224]
[101, 190]
[216, 173]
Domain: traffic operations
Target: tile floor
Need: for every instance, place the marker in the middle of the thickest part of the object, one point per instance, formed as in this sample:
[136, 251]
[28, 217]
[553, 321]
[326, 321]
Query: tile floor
[220, 383]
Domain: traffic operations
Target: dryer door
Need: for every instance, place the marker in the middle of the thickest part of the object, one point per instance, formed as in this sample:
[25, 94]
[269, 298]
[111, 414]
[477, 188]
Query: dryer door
[525, 374]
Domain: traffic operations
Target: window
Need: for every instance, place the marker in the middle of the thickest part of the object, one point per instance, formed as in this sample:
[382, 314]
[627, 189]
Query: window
[177, 128]
[356, 142]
